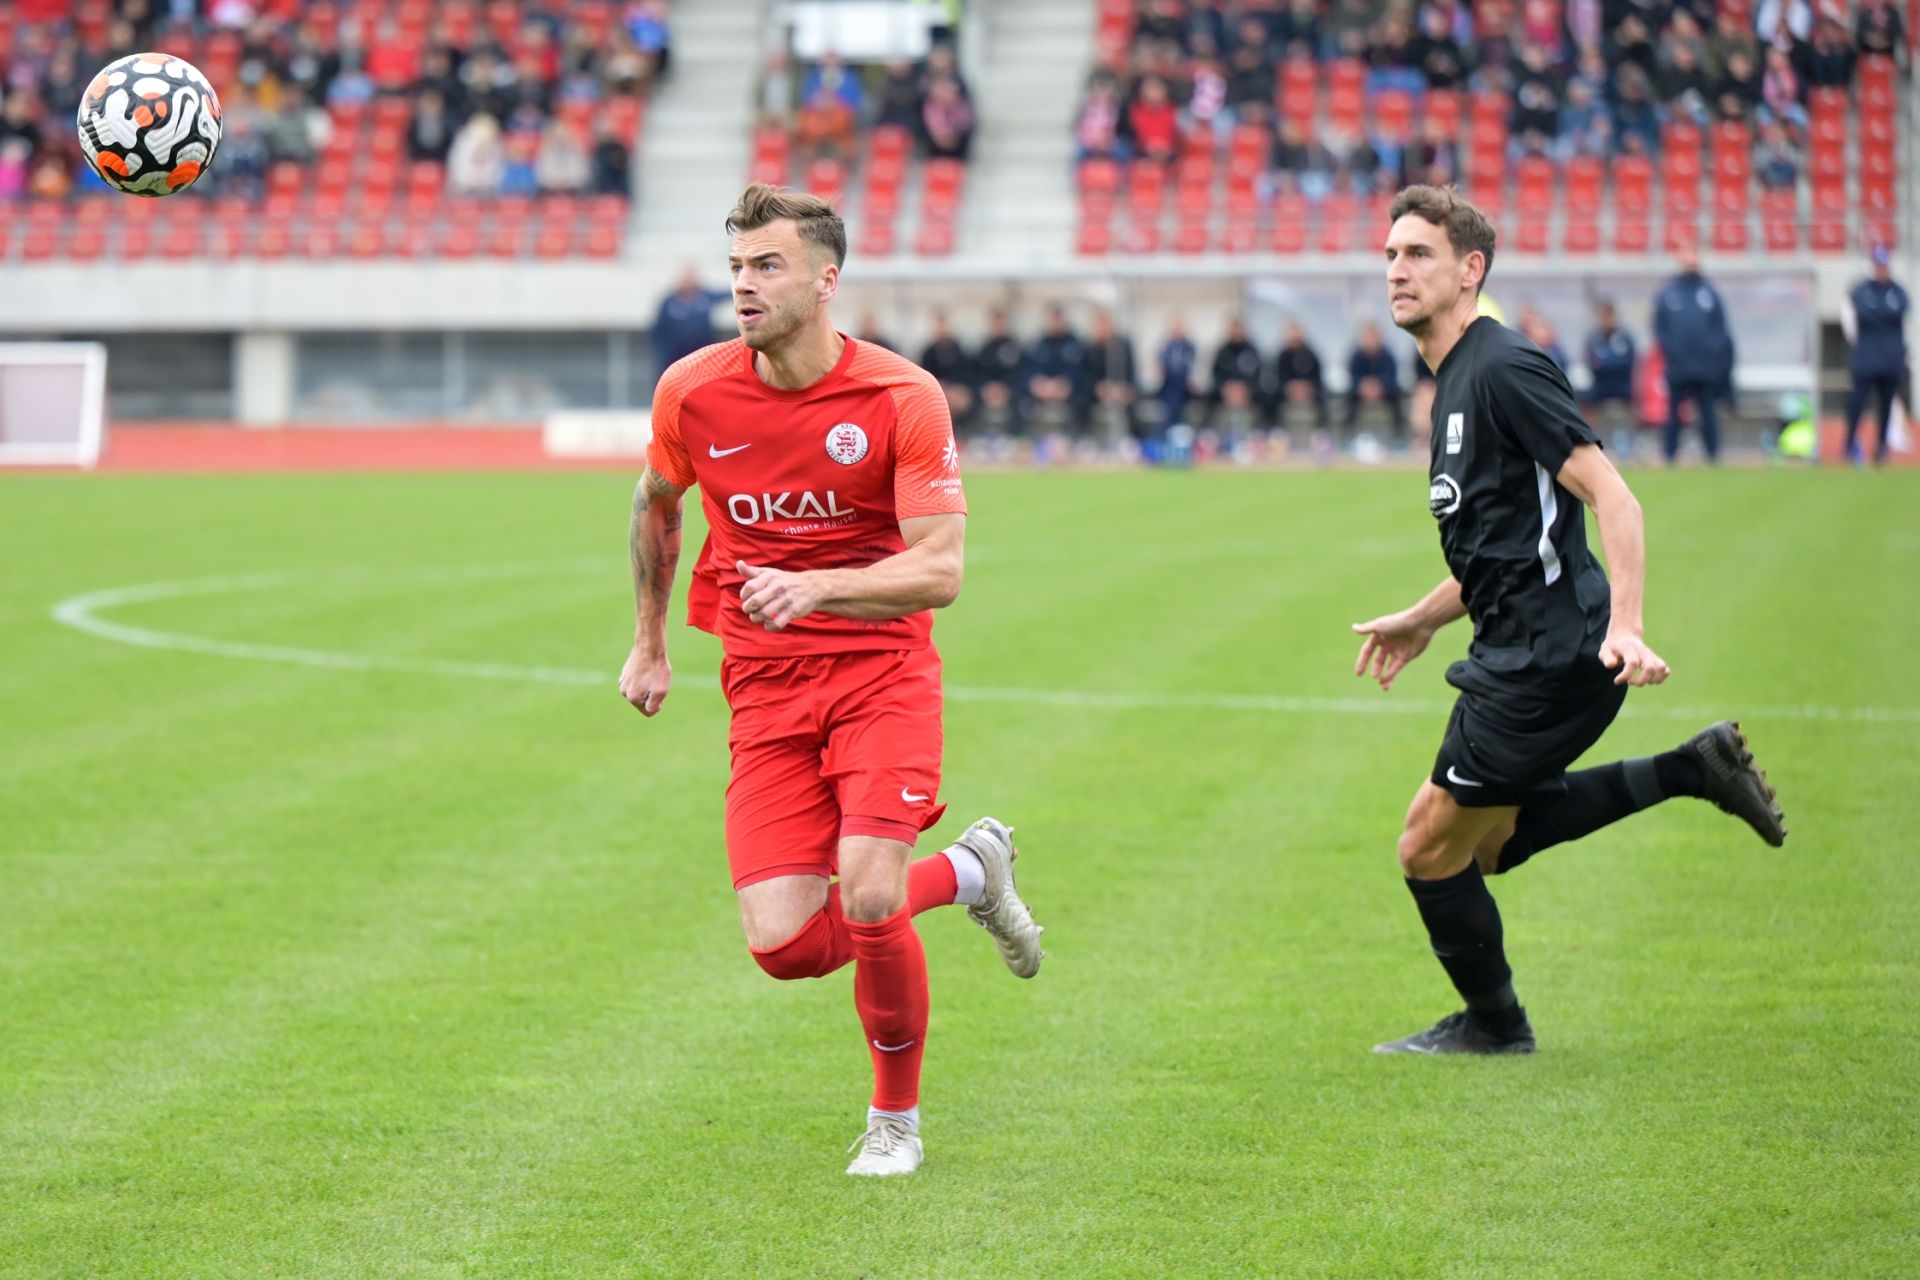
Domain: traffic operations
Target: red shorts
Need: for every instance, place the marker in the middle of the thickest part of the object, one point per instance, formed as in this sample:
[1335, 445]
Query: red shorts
[826, 746]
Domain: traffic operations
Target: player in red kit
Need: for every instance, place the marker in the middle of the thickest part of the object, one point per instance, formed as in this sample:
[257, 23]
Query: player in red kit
[831, 488]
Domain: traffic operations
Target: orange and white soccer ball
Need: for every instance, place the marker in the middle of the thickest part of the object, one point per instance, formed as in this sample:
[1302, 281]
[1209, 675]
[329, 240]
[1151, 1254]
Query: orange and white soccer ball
[149, 124]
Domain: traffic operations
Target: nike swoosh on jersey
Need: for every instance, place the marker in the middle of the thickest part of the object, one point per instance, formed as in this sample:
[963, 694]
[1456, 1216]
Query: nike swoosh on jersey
[909, 797]
[713, 452]
[1454, 777]
[893, 1048]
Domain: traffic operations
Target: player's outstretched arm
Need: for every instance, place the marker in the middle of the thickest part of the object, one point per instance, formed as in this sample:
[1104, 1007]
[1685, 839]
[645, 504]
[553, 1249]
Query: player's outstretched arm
[1589, 476]
[925, 576]
[653, 542]
[1395, 639]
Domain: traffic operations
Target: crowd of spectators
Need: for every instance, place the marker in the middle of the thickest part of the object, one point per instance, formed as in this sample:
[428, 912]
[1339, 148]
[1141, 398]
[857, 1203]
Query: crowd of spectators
[514, 98]
[829, 105]
[1596, 78]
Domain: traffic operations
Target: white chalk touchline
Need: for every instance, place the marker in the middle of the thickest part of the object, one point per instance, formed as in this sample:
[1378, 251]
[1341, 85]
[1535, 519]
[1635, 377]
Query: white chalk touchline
[81, 613]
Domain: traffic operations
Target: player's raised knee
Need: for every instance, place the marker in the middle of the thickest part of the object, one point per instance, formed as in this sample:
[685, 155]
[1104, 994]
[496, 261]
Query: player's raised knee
[871, 903]
[1420, 854]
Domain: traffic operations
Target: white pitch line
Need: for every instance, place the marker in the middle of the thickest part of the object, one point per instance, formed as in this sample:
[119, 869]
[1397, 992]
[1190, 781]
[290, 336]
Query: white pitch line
[81, 613]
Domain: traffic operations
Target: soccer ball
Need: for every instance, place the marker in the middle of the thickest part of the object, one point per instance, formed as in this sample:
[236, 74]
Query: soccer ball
[149, 124]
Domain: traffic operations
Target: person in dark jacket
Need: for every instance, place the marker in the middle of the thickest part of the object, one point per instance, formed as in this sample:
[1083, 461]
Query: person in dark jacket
[1373, 378]
[952, 368]
[1056, 370]
[1611, 360]
[1236, 367]
[1690, 324]
[1178, 359]
[1298, 375]
[1877, 310]
[684, 323]
[1002, 366]
[1112, 382]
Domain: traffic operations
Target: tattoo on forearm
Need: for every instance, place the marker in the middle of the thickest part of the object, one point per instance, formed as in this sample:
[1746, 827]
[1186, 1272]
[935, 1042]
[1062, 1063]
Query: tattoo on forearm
[654, 557]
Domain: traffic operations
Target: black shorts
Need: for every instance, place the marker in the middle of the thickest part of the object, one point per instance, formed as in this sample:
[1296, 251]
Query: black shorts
[1508, 746]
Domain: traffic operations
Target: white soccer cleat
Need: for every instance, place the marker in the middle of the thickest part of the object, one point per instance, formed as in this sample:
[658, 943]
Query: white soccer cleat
[888, 1147]
[1000, 911]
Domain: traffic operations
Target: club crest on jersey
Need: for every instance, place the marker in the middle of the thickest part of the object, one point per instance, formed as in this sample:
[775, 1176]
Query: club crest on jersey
[846, 443]
[1456, 431]
[1443, 496]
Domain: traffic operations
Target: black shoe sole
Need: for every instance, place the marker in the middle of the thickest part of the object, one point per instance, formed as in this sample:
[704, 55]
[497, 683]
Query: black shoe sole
[1735, 784]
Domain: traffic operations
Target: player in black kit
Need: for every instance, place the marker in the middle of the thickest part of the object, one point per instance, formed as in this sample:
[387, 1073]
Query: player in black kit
[1555, 645]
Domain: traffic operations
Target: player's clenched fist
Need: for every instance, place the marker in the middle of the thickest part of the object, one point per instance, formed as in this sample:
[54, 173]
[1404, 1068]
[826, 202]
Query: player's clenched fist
[645, 680]
[774, 597]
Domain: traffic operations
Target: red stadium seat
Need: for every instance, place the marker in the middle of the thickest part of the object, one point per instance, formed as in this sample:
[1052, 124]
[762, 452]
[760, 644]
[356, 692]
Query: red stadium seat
[1582, 234]
[1632, 232]
[1586, 178]
[1633, 185]
[1143, 232]
[1099, 175]
[1536, 183]
[1443, 108]
[1299, 89]
[877, 239]
[1780, 220]
[1531, 234]
[1095, 237]
[1191, 234]
[1338, 217]
[602, 241]
[1146, 186]
[1827, 232]
[935, 239]
[1241, 233]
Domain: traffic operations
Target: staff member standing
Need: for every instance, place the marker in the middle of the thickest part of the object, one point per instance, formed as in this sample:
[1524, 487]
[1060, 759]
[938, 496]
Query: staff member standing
[1876, 324]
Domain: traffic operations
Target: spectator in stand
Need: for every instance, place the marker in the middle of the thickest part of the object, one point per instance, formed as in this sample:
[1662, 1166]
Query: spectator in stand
[488, 84]
[1611, 360]
[1879, 31]
[684, 323]
[1152, 123]
[16, 160]
[1632, 42]
[612, 160]
[1348, 30]
[1781, 91]
[1159, 22]
[1391, 55]
[20, 118]
[519, 175]
[51, 177]
[1683, 31]
[824, 126]
[429, 137]
[1683, 83]
[1435, 159]
[1356, 163]
[1112, 381]
[1635, 114]
[1298, 30]
[947, 121]
[1236, 369]
[647, 27]
[900, 97]
[1876, 324]
[832, 76]
[1690, 324]
[563, 166]
[1797, 14]
[1207, 25]
[942, 63]
[1737, 96]
[1830, 60]
[1585, 127]
[1303, 162]
[1437, 53]
[1541, 25]
[478, 158]
[1206, 106]
[1536, 96]
[297, 129]
[1250, 76]
[1373, 378]
[1096, 136]
[242, 170]
[1298, 376]
[1002, 368]
[1178, 361]
[1776, 161]
[952, 367]
[1590, 69]
[439, 74]
[1056, 373]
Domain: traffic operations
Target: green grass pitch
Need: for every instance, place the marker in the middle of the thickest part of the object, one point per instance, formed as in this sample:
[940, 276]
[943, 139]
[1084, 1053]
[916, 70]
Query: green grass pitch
[356, 961]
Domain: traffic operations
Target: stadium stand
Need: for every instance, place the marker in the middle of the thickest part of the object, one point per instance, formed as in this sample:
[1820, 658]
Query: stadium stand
[895, 160]
[1600, 125]
[449, 128]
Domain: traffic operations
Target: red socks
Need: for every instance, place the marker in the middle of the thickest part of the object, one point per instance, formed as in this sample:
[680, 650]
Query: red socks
[890, 991]
[931, 883]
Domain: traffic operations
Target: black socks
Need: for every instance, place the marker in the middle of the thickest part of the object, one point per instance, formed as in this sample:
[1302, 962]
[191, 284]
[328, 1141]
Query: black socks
[1597, 797]
[1464, 924]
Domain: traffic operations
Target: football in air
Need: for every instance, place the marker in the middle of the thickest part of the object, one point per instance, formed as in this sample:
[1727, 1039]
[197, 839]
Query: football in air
[149, 124]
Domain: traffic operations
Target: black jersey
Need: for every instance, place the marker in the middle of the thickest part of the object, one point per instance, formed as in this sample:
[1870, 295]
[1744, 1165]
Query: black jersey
[1504, 423]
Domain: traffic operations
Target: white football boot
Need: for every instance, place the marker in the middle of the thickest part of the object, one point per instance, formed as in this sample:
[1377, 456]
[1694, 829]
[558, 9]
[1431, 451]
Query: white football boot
[888, 1147]
[1000, 911]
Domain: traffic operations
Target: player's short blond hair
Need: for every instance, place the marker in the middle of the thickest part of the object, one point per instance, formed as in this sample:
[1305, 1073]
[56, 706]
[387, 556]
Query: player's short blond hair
[764, 203]
[1468, 229]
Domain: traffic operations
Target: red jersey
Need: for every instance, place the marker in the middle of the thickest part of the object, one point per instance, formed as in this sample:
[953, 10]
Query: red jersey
[818, 478]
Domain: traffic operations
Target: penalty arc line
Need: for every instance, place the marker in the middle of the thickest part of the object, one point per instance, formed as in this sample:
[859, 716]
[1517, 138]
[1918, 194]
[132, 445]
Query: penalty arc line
[81, 613]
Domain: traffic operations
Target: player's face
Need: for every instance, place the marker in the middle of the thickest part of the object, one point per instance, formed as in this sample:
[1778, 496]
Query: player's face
[1424, 275]
[776, 284]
